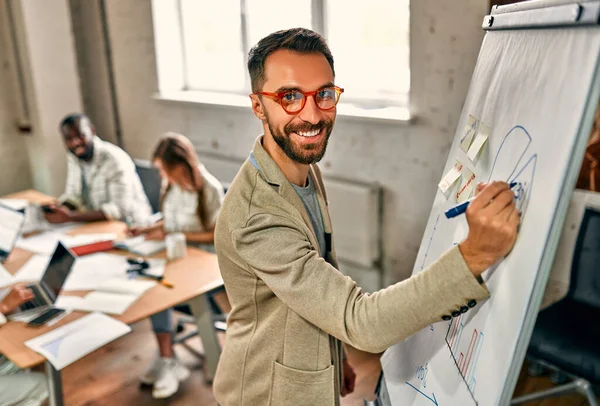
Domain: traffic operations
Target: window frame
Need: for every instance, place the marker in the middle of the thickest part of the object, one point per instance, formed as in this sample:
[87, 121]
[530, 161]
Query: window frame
[172, 77]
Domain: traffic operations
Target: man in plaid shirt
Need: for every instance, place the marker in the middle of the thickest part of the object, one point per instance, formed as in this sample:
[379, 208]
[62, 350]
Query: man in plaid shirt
[102, 183]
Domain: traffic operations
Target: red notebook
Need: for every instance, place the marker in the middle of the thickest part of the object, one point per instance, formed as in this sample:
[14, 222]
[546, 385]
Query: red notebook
[94, 247]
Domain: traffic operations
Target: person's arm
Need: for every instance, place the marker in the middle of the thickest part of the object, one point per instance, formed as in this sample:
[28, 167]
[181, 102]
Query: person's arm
[87, 216]
[18, 295]
[72, 195]
[278, 251]
[120, 194]
[203, 237]
[62, 214]
[135, 231]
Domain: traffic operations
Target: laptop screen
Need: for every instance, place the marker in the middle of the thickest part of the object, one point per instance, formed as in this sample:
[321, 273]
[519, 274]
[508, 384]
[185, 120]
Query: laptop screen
[58, 270]
[11, 222]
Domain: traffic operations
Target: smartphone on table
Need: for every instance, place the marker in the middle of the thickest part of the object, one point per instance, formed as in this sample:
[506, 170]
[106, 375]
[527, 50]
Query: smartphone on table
[45, 317]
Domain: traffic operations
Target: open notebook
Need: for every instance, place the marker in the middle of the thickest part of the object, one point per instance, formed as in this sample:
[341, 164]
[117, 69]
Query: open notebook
[114, 297]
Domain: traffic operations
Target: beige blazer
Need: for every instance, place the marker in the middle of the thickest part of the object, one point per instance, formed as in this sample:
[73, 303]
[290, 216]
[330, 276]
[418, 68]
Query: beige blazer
[291, 307]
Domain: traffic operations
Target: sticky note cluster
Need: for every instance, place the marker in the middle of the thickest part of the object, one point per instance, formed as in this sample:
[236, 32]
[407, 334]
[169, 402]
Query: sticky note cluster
[472, 143]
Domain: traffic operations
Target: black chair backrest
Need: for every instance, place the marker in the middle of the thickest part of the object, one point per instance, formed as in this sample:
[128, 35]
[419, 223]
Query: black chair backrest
[151, 182]
[585, 272]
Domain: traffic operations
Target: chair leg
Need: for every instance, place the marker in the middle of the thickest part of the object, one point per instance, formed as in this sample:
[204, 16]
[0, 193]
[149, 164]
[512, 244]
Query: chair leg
[535, 369]
[549, 393]
[585, 388]
[185, 337]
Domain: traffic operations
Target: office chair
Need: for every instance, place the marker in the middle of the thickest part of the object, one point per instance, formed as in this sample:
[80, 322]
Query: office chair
[151, 182]
[566, 337]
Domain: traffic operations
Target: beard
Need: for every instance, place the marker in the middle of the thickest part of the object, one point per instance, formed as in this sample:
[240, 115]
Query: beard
[87, 155]
[302, 154]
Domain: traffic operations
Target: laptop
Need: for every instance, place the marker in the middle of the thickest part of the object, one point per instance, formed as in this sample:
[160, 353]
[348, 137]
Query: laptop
[46, 291]
[11, 223]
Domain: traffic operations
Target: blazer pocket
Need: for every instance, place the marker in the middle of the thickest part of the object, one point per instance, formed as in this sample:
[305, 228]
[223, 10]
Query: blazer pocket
[296, 387]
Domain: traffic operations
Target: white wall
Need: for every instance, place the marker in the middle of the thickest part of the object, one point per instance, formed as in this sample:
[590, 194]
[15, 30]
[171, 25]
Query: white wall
[406, 159]
[46, 46]
[14, 164]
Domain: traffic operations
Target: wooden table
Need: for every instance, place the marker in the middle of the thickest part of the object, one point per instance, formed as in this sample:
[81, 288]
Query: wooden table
[193, 277]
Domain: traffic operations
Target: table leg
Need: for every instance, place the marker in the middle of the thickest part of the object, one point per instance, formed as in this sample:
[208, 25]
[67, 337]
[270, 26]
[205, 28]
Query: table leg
[54, 385]
[206, 331]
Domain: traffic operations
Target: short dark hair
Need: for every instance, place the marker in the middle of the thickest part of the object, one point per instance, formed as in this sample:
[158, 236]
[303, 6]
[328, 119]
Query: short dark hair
[73, 120]
[300, 40]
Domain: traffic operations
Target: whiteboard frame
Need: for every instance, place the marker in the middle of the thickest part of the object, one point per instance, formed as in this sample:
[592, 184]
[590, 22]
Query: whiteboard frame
[556, 13]
[568, 186]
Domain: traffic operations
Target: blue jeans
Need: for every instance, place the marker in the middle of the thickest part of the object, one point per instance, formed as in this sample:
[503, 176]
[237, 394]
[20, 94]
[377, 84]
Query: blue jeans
[162, 322]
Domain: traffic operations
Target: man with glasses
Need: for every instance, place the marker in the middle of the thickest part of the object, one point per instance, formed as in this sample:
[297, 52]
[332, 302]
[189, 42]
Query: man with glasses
[291, 306]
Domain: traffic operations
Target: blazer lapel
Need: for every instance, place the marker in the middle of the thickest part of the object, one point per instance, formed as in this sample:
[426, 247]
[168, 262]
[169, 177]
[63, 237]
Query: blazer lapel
[273, 175]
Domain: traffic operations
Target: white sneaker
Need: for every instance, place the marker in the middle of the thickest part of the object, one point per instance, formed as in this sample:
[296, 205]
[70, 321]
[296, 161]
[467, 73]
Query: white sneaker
[153, 372]
[171, 374]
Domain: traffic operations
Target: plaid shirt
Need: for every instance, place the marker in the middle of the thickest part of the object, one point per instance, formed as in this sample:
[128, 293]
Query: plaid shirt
[110, 184]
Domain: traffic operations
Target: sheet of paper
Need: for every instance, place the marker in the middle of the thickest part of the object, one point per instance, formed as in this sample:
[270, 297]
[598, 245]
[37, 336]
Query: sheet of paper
[84, 239]
[32, 270]
[469, 132]
[92, 271]
[479, 142]
[73, 341]
[112, 303]
[15, 204]
[451, 177]
[6, 278]
[467, 186]
[45, 243]
[131, 286]
[10, 229]
[157, 267]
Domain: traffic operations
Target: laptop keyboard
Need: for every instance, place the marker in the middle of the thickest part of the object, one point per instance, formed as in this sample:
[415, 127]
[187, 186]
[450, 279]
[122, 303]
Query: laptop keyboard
[36, 301]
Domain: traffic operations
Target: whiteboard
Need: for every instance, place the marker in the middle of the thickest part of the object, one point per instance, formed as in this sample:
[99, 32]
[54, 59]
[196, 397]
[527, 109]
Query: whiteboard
[533, 91]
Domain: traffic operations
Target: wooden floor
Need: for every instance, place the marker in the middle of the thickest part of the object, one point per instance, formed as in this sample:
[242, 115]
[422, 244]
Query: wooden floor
[109, 377]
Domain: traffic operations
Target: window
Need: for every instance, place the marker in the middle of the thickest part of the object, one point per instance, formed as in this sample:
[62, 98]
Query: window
[368, 39]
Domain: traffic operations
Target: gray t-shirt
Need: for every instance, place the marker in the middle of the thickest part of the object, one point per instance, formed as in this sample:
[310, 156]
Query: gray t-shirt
[308, 195]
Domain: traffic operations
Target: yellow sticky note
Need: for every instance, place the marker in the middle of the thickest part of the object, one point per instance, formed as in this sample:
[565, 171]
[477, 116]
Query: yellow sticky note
[483, 133]
[451, 177]
[469, 132]
[467, 185]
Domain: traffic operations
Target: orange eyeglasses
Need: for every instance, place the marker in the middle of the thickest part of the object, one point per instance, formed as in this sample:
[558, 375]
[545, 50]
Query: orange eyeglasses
[293, 101]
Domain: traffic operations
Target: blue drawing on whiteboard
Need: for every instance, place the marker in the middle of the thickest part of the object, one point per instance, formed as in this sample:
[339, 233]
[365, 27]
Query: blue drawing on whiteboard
[433, 399]
[511, 164]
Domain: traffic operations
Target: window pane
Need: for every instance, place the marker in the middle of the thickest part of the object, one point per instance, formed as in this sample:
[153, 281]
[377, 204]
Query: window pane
[267, 16]
[213, 45]
[369, 42]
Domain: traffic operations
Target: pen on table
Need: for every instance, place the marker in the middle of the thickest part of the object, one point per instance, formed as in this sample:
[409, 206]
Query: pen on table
[159, 279]
[461, 208]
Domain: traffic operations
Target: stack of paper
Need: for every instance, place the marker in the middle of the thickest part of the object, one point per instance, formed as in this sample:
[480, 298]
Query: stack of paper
[75, 340]
[32, 270]
[140, 246]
